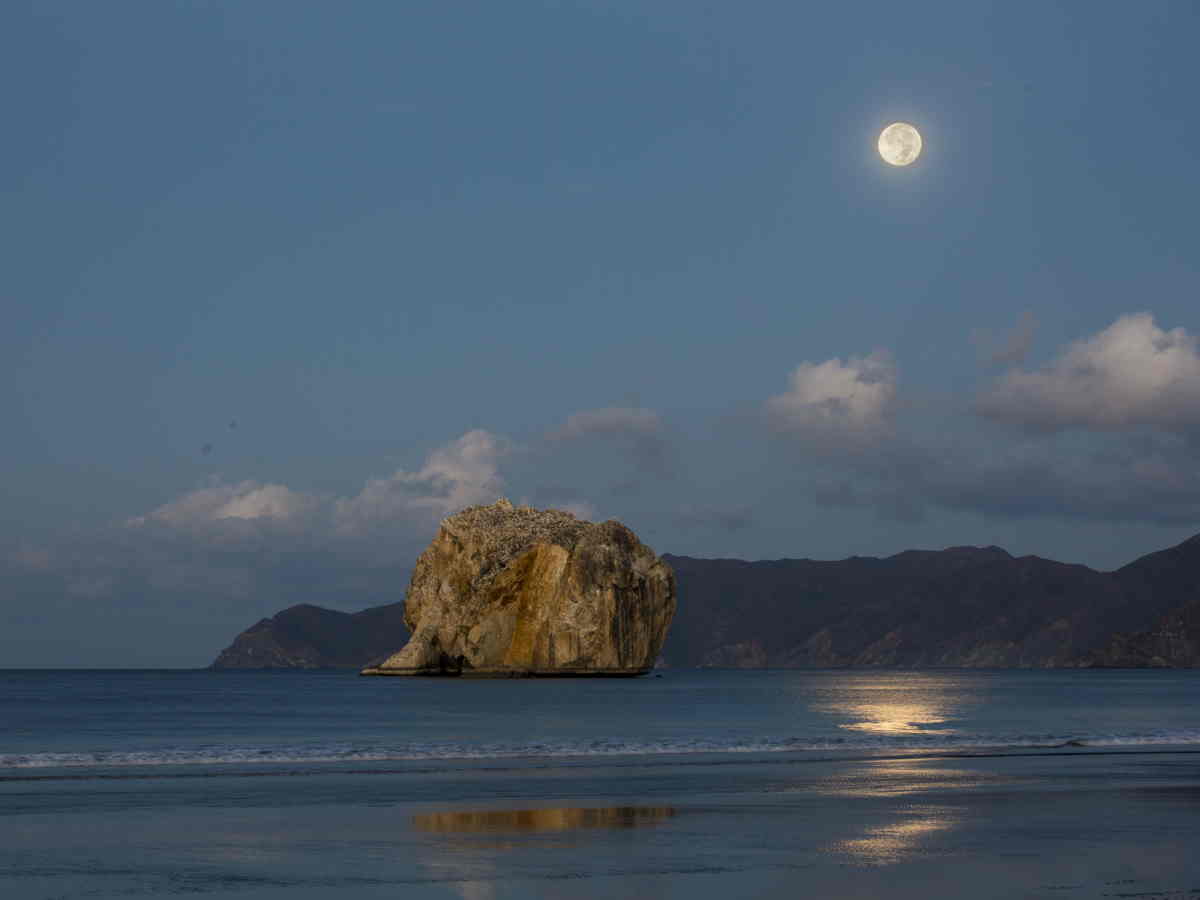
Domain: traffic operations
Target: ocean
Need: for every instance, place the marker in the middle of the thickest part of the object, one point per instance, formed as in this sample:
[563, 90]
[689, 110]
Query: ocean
[682, 783]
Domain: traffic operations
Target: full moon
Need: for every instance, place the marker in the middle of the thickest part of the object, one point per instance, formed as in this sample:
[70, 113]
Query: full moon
[899, 144]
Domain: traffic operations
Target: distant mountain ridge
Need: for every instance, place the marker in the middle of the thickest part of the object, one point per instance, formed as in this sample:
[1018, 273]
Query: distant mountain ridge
[311, 637]
[963, 606]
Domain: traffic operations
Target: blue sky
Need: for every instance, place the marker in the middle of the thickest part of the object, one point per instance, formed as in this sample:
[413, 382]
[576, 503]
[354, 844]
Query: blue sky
[285, 282]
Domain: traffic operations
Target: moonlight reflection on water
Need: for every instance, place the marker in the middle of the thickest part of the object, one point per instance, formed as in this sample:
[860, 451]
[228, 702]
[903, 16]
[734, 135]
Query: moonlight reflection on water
[899, 705]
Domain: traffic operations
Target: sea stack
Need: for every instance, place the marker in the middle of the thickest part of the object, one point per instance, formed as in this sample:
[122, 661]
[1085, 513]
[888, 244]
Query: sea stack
[509, 591]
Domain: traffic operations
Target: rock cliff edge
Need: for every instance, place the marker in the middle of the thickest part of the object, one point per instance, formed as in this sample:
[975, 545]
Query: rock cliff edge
[506, 591]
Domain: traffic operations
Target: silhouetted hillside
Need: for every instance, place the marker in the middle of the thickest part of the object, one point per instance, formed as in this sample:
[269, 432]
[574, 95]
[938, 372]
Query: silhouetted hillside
[959, 607]
[1167, 586]
[309, 637]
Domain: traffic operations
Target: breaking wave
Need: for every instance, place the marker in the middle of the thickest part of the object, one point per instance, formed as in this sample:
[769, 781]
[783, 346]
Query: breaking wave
[309, 753]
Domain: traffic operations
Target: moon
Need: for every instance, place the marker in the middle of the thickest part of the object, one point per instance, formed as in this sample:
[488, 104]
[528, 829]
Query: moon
[900, 144]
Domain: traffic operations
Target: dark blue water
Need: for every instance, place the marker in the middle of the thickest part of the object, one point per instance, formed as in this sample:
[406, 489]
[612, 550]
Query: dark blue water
[114, 719]
[696, 785]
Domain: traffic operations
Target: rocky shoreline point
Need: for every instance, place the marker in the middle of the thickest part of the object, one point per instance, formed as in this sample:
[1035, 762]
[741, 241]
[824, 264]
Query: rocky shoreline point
[513, 591]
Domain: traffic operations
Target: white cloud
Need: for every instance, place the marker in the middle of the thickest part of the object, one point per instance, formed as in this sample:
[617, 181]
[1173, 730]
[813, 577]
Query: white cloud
[838, 401]
[269, 501]
[463, 473]
[1131, 373]
[244, 500]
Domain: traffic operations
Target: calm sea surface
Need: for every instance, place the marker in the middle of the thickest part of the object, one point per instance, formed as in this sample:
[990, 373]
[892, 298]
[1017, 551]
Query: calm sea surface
[161, 783]
[114, 721]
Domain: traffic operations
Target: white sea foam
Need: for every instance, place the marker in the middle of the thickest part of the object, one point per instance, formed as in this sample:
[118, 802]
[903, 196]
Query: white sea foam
[218, 755]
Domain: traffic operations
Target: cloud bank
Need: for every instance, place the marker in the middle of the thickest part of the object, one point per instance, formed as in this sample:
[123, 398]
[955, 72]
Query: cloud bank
[1132, 373]
[1116, 384]
[461, 473]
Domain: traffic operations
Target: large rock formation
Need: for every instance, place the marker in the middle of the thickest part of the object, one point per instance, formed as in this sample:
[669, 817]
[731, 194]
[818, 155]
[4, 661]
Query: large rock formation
[514, 591]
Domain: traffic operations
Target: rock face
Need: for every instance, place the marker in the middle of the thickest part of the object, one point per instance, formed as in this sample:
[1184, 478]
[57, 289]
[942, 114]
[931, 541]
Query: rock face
[506, 591]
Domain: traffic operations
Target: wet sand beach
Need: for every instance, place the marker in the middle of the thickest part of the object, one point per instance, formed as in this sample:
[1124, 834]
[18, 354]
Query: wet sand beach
[1038, 824]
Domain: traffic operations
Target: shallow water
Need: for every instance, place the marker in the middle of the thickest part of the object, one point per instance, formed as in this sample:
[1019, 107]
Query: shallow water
[698, 783]
[119, 719]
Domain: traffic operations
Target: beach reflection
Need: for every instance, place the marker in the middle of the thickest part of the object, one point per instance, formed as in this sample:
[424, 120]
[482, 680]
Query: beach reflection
[476, 890]
[897, 778]
[540, 820]
[891, 843]
[912, 826]
[469, 839]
